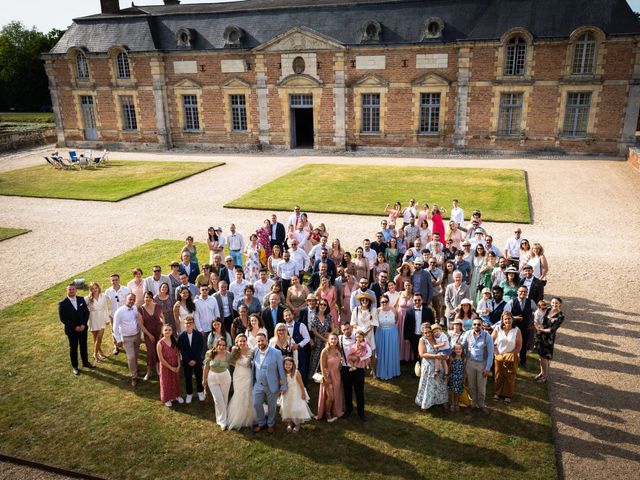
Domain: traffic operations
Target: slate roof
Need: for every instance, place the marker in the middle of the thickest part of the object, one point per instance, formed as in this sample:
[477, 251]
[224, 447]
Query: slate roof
[149, 28]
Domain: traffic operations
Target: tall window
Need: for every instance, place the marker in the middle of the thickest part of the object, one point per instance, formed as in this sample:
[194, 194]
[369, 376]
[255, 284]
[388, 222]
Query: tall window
[510, 115]
[238, 113]
[191, 119]
[370, 113]
[515, 57]
[576, 116]
[584, 55]
[122, 64]
[429, 112]
[129, 121]
[82, 69]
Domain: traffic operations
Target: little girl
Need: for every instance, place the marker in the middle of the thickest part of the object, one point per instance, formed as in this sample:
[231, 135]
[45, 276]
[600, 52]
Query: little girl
[358, 350]
[441, 346]
[538, 317]
[485, 306]
[457, 378]
[294, 409]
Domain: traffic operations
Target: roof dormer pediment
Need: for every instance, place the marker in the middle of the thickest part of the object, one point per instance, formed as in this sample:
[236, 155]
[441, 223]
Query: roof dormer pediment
[430, 79]
[299, 39]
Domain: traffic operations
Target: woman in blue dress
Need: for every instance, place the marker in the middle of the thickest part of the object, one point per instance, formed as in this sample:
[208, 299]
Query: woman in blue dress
[432, 389]
[387, 341]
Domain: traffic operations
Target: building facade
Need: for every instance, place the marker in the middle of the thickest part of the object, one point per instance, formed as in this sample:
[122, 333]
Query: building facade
[488, 75]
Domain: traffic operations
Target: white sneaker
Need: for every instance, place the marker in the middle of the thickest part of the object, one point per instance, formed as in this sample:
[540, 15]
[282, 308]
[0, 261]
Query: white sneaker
[180, 400]
[201, 396]
[168, 404]
[189, 398]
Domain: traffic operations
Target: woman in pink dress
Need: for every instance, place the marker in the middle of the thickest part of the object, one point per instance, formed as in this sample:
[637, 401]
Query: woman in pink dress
[404, 301]
[328, 292]
[437, 225]
[330, 396]
[347, 288]
[169, 356]
[152, 319]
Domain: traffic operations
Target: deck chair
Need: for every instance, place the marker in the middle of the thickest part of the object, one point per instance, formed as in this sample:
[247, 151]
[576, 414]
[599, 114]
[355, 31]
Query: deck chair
[53, 163]
[73, 156]
[61, 161]
[88, 154]
[102, 159]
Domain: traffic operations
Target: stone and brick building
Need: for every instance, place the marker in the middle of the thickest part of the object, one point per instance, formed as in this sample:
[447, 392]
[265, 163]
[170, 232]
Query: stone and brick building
[505, 75]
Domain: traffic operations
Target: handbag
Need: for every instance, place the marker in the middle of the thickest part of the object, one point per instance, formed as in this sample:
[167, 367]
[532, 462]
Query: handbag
[464, 398]
[318, 377]
[416, 368]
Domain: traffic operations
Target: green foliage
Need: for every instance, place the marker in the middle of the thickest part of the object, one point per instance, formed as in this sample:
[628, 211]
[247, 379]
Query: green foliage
[501, 194]
[97, 423]
[26, 117]
[23, 81]
[6, 233]
[116, 181]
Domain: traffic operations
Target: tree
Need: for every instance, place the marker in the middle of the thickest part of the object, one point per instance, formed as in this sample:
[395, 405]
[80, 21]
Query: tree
[23, 81]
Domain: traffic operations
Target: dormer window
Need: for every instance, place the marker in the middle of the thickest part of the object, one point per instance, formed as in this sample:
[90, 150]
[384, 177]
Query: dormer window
[515, 57]
[433, 27]
[371, 31]
[584, 55]
[122, 66]
[233, 36]
[82, 68]
[185, 37]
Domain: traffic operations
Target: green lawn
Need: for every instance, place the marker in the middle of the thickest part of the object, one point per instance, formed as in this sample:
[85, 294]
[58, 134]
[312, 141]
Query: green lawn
[116, 181]
[501, 194]
[26, 117]
[97, 423]
[6, 233]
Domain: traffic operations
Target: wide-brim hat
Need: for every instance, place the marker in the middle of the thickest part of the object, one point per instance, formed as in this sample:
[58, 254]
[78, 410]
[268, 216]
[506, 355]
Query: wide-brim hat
[466, 242]
[311, 296]
[366, 295]
[486, 290]
[528, 266]
[511, 270]
[466, 301]
[410, 265]
[457, 321]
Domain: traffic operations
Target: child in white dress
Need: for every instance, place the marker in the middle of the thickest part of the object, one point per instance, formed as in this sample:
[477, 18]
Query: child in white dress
[442, 346]
[295, 401]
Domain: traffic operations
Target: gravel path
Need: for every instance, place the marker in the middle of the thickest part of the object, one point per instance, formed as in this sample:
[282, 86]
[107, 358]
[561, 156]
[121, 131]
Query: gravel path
[586, 214]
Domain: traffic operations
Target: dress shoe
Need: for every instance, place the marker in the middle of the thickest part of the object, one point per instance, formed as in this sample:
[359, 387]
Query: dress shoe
[89, 366]
[345, 416]
[364, 418]
[257, 429]
[485, 410]
[75, 371]
[271, 429]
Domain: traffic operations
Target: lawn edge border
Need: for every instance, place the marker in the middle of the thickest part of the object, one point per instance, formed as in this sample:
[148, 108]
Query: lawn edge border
[218, 164]
[47, 467]
[23, 232]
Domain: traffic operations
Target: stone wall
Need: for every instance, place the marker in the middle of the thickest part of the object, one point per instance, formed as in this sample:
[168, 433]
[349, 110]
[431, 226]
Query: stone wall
[14, 141]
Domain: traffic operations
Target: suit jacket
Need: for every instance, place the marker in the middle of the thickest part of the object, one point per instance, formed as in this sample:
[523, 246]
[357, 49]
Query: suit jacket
[410, 320]
[194, 271]
[426, 286]
[267, 320]
[224, 274]
[378, 290]
[304, 316]
[536, 289]
[218, 297]
[452, 298]
[314, 282]
[148, 283]
[193, 351]
[331, 268]
[280, 235]
[271, 372]
[71, 317]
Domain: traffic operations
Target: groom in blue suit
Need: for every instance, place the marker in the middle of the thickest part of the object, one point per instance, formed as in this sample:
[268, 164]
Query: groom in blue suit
[268, 381]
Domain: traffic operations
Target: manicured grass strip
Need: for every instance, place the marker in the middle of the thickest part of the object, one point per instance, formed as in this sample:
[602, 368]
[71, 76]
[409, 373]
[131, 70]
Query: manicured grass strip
[6, 233]
[96, 423]
[501, 194]
[26, 117]
[114, 182]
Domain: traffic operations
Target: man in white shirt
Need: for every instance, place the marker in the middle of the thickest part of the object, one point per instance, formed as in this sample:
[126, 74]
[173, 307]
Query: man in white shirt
[224, 298]
[478, 239]
[262, 286]
[184, 283]
[299, 335]
[300, 258]
[116, 296]
[236, 245]
[512, 248]
[490, 247]
[296, 217]
[409, 212]
[411, 232]
[457, 213]
[237, 287]
[352, 380]
[371, 255]
[152, 283]
[206, 311]
[126, 330]
[315, 252]
[287, 269]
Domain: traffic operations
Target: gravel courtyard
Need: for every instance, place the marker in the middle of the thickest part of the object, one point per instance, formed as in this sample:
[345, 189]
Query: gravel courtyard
[586, 213]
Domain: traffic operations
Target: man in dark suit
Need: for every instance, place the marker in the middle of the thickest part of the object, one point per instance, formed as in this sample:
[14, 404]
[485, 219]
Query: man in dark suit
[379, 245]
[191, 345]
[314, 279]
[74, 314]
[189, 267]
[273, 314]
[312, 305]
[535, 287]
[330, 264]
[278, 232]
[225, 303]
[380, 287]
[421, 280]
[413, 319]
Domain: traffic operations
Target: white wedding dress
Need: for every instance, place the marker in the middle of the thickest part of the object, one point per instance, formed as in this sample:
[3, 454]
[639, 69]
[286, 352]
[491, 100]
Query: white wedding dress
[240, 411]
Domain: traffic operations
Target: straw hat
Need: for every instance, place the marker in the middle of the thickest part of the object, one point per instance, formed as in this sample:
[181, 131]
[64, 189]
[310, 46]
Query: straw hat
[366, 295]
[410, 265]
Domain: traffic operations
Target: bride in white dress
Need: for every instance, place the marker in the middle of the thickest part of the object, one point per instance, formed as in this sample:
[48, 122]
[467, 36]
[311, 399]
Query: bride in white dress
[240, 411]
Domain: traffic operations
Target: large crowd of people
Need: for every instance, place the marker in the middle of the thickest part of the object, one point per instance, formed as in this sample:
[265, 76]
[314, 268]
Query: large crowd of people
[291, 305]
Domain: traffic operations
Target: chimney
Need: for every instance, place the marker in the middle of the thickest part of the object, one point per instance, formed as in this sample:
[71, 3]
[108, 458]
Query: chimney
[171, 2]
[110, 6]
